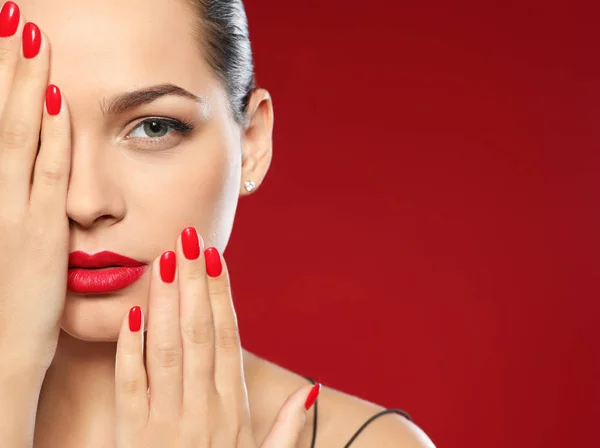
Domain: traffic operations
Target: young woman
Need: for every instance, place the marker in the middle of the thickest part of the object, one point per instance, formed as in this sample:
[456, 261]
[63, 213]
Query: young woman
[128, 131]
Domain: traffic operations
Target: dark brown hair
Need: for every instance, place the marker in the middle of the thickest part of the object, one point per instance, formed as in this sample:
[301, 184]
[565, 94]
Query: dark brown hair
[223, 30]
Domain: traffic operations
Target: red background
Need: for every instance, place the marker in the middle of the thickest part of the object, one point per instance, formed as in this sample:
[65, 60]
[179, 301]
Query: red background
[428, 235]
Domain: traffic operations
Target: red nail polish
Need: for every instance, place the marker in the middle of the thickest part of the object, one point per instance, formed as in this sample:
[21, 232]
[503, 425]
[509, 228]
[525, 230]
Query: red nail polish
[9, 19]
[213, 262]
[167, 267]
[190, 243]
[53, 99]
[312, 396]
[32, 40]
[135, 319]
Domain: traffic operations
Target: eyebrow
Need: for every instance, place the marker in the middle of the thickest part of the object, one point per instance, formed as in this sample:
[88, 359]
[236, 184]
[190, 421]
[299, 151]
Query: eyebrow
[124, 102]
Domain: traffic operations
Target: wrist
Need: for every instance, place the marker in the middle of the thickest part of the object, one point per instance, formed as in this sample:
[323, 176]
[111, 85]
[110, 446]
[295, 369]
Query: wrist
[19, 360]
[21, 381]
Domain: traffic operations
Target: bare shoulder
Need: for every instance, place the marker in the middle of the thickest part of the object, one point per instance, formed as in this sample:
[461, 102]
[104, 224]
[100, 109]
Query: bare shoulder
[340, 415]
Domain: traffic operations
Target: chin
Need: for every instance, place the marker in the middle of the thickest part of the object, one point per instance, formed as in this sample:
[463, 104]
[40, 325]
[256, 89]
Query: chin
[98, 317]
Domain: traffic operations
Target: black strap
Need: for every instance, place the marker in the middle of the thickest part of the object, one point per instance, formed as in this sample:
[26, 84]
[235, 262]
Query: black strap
[361, 429]
[365, 424]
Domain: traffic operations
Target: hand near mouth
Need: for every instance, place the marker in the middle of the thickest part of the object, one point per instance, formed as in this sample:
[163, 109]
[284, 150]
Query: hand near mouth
[198, 395]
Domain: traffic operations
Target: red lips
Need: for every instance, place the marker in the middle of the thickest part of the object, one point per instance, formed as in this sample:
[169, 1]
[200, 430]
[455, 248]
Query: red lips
[102, 273]
[103, 259]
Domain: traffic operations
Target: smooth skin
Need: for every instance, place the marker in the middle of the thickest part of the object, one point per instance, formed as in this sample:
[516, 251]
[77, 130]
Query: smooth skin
[99, 182]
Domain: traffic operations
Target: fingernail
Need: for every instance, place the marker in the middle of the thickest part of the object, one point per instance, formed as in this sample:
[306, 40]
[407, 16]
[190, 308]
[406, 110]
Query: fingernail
[190, 243]
[213, 262]
[32, 40]
[9, 19]
[312, 396]
[167, 267]
[53, 99]
[135, 319]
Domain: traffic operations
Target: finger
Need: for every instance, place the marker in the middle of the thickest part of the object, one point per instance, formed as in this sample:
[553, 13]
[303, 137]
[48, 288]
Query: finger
[22, 115]
[197, 331]
[229, 373]
[164, 357]
[10, 43]
[291, 418]
[53, 163]
[130, 376]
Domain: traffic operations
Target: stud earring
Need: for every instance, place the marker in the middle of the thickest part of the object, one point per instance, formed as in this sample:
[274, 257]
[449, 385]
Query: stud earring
[249, 185]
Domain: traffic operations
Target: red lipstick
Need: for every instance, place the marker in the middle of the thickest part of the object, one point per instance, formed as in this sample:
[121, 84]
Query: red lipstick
[102, 273]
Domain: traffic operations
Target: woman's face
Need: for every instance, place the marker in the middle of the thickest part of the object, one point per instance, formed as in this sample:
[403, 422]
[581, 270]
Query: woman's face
[134, 187]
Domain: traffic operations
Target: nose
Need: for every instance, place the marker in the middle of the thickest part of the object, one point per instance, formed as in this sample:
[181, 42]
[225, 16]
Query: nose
[93, 198]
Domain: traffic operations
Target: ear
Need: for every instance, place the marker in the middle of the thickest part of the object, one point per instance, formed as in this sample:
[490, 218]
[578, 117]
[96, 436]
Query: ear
[257, 140]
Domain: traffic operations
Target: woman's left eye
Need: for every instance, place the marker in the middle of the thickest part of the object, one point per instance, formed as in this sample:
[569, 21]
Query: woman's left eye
[158, 127]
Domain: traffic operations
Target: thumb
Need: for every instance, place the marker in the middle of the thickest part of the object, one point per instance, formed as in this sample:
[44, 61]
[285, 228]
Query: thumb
[291, 418]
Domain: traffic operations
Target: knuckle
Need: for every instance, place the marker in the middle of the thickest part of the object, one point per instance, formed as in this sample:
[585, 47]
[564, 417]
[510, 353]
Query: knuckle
[168, 355]
[228, 338]
[5, 51]
[15, 135]
[37, 73]
[9, 221]
[131, 386]
[196, 273]
[50, 174]
[220, 289]
[200, 334]
[55, 132]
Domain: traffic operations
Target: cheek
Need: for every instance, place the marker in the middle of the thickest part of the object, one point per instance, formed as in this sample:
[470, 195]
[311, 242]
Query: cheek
[199, 187]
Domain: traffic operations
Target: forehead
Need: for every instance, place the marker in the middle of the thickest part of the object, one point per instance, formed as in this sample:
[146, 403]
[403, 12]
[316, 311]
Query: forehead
[119, 44]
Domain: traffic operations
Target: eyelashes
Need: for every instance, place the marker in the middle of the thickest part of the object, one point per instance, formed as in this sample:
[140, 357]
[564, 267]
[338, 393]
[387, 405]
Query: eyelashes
[165, 132]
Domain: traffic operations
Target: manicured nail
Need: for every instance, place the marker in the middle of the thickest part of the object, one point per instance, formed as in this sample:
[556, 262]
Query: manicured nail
[53, 99]
[167, 267]
[312, 396]
[135, 319]
[190, 243]
[9, 19]
[213, 262]
[32, 40]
